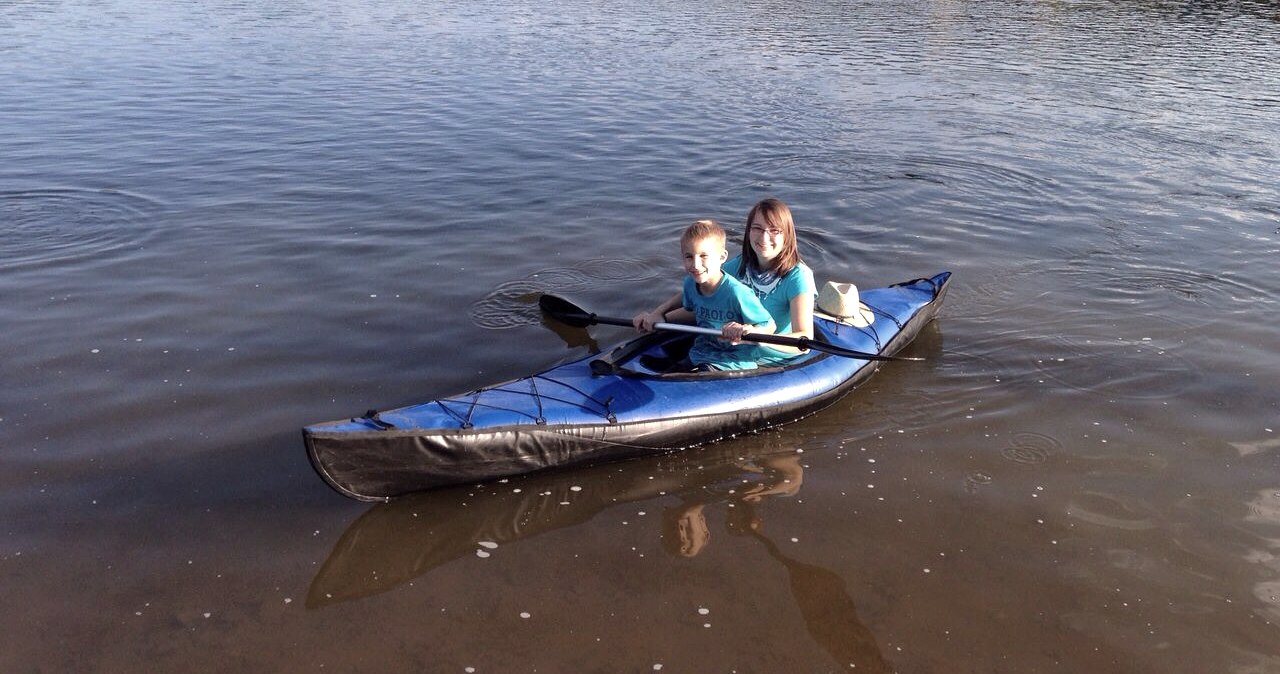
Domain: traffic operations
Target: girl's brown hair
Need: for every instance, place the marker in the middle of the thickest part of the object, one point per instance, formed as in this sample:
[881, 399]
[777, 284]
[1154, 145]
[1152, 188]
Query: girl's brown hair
[774, 213]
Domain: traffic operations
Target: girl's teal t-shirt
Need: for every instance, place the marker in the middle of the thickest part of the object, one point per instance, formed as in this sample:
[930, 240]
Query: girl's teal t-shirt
[776, 298]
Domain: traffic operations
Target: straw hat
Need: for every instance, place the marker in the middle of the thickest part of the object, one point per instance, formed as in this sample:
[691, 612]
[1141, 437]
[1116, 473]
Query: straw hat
[840, 301]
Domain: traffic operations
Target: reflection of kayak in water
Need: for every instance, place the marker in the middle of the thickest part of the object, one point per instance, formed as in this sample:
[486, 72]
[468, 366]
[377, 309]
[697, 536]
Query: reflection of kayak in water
[393, 543]
[582, 413]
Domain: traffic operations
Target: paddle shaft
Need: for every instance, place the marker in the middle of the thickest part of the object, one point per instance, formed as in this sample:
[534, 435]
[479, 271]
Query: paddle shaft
[762, 338]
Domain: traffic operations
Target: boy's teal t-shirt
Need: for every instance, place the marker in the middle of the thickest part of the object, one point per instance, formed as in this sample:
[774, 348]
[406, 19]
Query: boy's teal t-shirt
[776, 298]
[731, 301]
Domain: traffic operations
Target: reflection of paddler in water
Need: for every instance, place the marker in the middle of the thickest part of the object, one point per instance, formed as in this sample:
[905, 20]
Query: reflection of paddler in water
[830, 615]
[684, 530]
[393, 543]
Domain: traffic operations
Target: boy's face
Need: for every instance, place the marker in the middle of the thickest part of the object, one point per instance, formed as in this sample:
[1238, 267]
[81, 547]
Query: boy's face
[693, 532]
[703, 257]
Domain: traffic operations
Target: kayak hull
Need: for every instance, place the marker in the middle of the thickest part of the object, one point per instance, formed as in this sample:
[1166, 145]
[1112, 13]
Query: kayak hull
[595, 410]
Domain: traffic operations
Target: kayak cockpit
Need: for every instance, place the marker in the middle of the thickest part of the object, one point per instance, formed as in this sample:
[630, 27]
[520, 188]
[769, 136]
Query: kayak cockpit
[650, 356]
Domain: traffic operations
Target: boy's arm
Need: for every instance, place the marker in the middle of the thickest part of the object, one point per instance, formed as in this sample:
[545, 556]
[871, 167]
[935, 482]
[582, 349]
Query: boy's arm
[670, 311]
[679, 315]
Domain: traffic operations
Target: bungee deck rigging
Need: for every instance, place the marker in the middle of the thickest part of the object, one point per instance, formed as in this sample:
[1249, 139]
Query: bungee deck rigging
[533, 394]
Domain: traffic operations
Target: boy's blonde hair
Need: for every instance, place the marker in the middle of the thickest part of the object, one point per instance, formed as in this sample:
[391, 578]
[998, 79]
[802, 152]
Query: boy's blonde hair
[703, 229]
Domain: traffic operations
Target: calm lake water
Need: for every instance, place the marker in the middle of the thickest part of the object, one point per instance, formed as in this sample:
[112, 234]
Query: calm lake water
[223, 220]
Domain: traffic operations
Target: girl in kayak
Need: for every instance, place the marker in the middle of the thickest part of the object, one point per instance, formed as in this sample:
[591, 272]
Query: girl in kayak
[712, 298]
[770, 266]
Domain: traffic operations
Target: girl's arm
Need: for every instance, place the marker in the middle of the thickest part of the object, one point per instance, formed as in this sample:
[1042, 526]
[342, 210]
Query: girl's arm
[801, 321]
[801, 316]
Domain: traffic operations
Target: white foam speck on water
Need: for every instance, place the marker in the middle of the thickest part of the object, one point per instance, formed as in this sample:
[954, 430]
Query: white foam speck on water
[703, 611]
[641, 513]
[288, 600]
[575, 488]
[795, 540]
[526, 615]
[470, 670]
[657, 667]
[231, 348]
[488, 544]
[482, 554]
[707, 625]
[207, 615]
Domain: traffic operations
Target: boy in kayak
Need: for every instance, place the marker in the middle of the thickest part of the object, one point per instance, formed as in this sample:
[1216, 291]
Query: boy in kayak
[712, 298]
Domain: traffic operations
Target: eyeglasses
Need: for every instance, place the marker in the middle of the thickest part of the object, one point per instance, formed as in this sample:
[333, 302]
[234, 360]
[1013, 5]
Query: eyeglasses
[771, 231]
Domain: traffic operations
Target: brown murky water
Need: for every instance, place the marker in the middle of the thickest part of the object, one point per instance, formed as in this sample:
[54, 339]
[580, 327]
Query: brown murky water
[223, 221]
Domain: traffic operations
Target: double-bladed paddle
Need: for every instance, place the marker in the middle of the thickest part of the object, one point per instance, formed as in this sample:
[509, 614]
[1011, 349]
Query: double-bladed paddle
[567, 312]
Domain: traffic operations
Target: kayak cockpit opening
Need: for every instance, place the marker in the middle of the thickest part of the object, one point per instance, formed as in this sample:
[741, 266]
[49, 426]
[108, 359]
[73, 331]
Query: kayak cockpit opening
[652, 356]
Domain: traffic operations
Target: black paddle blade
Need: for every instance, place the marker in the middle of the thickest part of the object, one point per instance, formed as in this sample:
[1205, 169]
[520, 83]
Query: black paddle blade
[565, 311]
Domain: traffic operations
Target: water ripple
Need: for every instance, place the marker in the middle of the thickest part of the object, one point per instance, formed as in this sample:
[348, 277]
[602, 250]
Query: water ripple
[1119, 368]
[975, 481]
[515, 303]
[1111, 511]
[1126, 278]
[1030, 448]
[56, 225]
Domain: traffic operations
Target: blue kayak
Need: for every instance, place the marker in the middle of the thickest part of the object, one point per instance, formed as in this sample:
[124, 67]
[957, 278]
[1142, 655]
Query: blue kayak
[606, 407]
